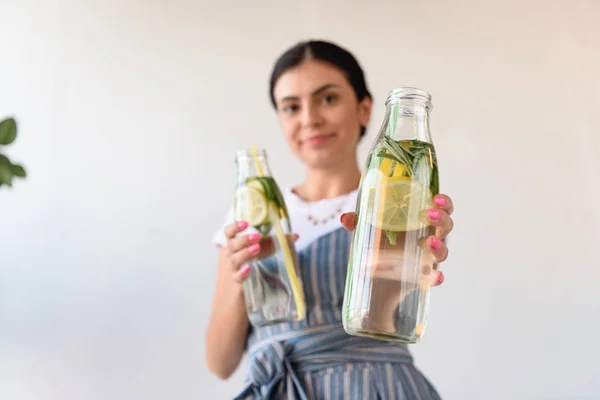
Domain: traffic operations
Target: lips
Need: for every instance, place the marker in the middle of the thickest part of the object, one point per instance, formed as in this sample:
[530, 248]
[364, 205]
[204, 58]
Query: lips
[317, 139]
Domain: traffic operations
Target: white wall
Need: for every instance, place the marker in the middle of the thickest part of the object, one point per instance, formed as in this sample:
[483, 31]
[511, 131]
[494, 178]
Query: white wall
[130, 113]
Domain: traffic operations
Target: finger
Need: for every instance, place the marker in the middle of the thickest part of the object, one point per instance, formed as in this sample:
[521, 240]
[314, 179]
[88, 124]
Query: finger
[232, 230]
[268, 244]
[244, 255]
[262, 249]
[438, 249]
[444, 202]
[242, 274]
[441, 220]
[238, 243]
[436, 278]
[348, 221]
[386, 266]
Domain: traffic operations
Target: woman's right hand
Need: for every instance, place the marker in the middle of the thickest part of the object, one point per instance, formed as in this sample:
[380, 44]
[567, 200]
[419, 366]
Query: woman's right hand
[243, 248]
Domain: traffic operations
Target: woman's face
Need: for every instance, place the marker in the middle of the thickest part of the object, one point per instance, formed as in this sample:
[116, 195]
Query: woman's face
[320, 114]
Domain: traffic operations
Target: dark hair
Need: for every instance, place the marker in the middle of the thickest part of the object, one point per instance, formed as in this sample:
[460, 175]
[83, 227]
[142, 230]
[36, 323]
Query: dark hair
[327, 52]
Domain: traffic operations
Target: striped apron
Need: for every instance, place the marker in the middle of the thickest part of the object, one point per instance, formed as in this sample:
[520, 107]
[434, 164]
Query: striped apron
[315, 358]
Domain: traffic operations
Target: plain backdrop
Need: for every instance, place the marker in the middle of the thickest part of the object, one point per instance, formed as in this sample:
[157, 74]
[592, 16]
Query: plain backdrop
[130, 113]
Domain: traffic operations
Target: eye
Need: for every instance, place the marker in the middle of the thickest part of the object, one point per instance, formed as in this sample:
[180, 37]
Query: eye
[330, 98]
[290, 109]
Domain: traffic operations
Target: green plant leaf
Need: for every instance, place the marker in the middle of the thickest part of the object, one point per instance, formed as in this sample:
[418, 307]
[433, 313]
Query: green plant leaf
[6, 175]
[19, 171]
[8, 131]
[4, 160]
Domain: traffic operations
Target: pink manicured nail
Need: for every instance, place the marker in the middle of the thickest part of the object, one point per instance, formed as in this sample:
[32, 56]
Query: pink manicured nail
[254, 237]
[435, 243]
[440, 278]
[439, 201]
[245, 269]
[254, 248]
[433, 214]
[242, 225]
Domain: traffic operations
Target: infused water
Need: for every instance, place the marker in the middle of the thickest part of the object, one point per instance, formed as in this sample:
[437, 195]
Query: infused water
[273, 290]
[387, 288]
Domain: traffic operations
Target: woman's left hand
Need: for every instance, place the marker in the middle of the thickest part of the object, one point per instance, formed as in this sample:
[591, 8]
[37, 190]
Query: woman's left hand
[438, 216]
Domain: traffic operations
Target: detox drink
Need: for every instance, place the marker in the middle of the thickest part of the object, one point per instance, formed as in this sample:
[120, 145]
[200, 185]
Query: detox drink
[273, 290]
[387, 287]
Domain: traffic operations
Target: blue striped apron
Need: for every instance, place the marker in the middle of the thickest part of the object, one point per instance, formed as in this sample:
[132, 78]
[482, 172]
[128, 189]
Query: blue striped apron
[315, 358]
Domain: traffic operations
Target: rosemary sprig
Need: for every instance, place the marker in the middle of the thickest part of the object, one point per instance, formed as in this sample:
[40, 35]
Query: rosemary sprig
[412, 154]
[408, 156]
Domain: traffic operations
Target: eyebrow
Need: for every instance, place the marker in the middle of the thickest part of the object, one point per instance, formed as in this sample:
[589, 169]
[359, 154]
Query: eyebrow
[314, 93]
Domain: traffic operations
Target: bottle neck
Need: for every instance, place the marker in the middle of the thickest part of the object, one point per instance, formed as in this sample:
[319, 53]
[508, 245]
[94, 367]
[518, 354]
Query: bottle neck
[407, 115]
[251, 165]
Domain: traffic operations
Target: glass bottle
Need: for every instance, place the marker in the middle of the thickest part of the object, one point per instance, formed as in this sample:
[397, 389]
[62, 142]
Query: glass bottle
[273, 290]
[387, 285]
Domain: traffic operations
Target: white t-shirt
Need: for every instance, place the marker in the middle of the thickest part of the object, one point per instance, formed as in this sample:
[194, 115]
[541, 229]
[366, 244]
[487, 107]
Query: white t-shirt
[326, 212]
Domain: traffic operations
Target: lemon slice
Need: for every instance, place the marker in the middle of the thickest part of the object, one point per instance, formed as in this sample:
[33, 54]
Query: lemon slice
[401, 204]
[396, 173]
[251, 206]
[255, 184]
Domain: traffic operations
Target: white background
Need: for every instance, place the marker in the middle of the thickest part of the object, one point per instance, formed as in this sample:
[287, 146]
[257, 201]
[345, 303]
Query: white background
[130, 113]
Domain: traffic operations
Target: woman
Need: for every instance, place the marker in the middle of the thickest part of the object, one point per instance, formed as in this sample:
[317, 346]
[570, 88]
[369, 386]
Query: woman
[324, 107]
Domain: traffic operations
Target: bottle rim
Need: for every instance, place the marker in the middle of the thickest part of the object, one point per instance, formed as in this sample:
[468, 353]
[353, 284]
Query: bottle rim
[410, 93]
[247, 153]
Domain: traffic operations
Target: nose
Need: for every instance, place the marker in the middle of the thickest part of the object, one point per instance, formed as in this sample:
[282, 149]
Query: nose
[311, 117]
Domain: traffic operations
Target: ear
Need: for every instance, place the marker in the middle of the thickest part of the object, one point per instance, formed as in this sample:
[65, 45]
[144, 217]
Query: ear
[364, 111]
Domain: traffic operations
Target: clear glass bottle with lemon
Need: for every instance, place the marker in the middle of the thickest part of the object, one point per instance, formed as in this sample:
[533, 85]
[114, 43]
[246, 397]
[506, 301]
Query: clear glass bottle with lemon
[387, 286]
[273, 291]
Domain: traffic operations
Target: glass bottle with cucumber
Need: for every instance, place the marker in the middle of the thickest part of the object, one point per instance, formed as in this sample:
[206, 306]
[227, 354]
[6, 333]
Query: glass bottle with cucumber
[273, 290]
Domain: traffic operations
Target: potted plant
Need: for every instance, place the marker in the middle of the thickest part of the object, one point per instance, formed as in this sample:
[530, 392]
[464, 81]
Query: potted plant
[8, 170]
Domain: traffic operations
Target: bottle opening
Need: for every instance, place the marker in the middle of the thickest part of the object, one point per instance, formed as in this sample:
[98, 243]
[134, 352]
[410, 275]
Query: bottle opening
[410, 93]
[248, 153]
